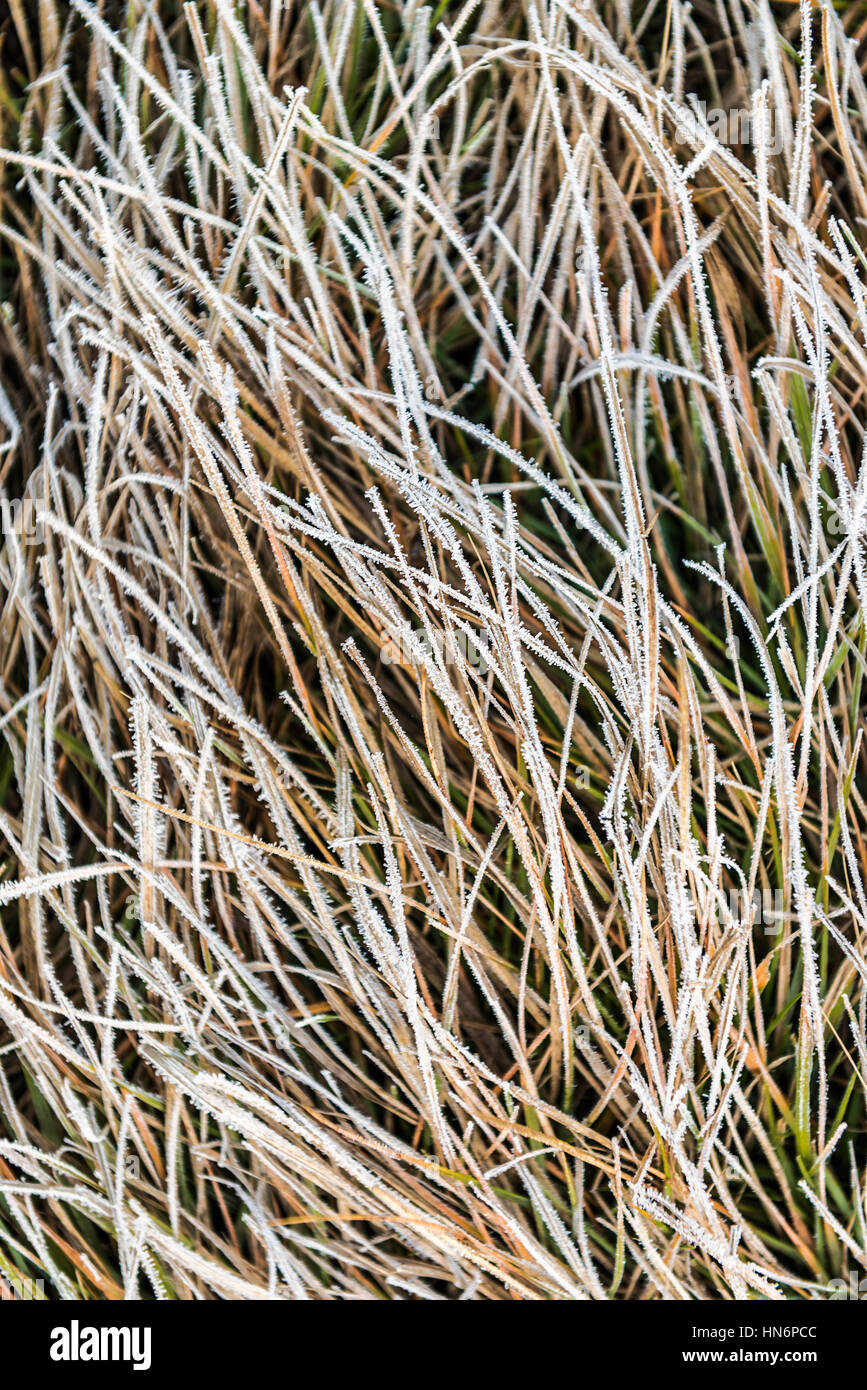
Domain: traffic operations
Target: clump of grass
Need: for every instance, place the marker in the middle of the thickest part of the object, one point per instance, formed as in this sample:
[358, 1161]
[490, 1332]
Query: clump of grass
[431, 674]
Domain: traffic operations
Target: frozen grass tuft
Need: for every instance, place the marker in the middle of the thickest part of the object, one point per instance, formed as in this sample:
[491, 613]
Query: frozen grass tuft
[432, 643]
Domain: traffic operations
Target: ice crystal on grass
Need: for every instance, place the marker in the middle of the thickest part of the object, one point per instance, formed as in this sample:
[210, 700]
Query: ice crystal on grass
[431, 631]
